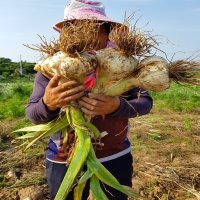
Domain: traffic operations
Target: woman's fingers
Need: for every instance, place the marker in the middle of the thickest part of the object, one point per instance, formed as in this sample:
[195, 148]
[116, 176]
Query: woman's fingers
[89, 112]
[99, 104]
[93, 102]
[91, 105]
[73, 91]
[66, 86]
[54, 81]
[70, 98]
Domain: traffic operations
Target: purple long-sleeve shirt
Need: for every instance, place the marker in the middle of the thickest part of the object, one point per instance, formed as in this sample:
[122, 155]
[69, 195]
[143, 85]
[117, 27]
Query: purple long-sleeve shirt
[136, 102]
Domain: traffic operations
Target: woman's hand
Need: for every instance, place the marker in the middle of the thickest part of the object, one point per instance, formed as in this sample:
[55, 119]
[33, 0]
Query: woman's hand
[58, 96]
[99, 104]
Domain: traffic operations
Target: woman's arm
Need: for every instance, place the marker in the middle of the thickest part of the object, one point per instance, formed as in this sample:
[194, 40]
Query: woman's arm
[135, 102]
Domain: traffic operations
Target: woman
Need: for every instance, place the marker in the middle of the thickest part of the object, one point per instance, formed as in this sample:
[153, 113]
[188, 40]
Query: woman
[109, 114]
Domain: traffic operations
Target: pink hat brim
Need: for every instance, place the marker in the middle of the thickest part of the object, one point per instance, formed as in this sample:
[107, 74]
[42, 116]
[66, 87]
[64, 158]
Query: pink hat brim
[97, 16]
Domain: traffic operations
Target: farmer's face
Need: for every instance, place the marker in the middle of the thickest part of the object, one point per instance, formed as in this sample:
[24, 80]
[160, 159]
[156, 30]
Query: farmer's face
[102, 37]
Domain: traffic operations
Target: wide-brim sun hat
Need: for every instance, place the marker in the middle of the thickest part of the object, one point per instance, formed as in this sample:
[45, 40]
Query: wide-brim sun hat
[84, 9]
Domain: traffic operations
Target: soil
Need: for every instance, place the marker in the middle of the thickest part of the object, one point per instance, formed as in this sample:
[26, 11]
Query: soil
[165, 147]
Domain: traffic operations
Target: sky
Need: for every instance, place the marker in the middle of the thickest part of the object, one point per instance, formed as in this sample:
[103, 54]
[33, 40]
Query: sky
[176, 22]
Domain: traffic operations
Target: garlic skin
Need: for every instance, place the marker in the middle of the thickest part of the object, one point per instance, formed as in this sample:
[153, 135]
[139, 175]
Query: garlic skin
[113, 66]
[70, 68]
[153, 74]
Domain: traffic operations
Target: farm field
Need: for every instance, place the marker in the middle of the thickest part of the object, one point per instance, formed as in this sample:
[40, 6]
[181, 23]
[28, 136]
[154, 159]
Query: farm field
[165, 146]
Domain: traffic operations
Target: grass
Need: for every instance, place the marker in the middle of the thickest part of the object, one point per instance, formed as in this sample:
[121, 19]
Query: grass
[13, 99]
[32, 180]
[17, 79]
[188, 124]
[178, 98]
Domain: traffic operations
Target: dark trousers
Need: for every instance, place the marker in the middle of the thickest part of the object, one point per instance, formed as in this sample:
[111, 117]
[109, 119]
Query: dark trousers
[120, 167]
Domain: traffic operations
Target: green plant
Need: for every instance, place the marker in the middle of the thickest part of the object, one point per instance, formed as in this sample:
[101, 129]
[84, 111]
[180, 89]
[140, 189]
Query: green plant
[187, 124]
[6, 73]
[178, 98]
[14, 97]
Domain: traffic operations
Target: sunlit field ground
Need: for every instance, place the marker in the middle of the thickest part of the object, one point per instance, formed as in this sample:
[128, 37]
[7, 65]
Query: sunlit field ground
[165, 146]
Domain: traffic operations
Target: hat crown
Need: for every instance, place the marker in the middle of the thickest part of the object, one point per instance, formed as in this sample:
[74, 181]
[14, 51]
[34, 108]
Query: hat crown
[84, 9]
[75, 6]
